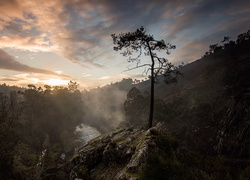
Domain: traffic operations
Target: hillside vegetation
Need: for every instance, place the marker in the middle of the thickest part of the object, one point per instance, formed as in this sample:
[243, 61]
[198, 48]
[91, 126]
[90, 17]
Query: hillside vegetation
[206, 131]
[208, 109]
[202, 125]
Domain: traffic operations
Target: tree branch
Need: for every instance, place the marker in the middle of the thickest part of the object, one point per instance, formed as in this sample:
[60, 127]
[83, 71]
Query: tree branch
[136, 67]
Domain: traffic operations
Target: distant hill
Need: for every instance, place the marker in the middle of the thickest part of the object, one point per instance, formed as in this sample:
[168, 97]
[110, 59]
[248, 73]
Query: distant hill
[208, 109]
[6, 88]
[201, 72]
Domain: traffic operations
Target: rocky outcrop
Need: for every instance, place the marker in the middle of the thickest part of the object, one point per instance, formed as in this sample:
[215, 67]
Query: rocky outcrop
[139, 154]
[121, 154]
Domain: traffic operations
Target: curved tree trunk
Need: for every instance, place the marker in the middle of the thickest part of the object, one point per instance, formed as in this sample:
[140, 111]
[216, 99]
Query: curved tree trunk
[151, 110]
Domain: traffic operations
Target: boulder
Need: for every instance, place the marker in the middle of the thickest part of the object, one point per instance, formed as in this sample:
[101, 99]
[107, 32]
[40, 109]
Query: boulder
[119, 155]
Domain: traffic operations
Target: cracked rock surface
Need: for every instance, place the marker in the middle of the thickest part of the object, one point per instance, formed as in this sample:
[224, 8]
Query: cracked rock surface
[119, 155]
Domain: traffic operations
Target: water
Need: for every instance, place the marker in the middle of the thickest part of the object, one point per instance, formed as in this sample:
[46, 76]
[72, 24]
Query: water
[87, 133]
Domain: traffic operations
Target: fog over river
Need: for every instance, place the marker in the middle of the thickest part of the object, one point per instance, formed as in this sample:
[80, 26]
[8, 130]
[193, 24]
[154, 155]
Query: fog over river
[87, 133]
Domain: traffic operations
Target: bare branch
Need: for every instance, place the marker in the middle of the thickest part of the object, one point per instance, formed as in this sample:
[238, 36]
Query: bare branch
[129, 69]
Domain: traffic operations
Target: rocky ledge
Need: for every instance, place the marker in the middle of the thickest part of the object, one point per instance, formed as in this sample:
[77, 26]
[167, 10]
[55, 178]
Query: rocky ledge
[139, 154]
[121, 154]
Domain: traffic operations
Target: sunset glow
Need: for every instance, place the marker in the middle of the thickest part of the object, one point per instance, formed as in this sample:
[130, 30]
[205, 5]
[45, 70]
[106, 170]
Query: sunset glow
[65, 40]
[55, 82]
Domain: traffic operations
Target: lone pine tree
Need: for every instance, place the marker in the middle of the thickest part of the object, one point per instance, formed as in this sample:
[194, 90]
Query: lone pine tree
[139, 42]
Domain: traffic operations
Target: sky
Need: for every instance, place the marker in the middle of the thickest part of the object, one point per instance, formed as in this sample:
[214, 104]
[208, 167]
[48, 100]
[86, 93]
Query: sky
[55, 41]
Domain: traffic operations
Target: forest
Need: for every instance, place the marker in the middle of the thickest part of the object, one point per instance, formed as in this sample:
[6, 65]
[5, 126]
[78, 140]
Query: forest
[206, 111]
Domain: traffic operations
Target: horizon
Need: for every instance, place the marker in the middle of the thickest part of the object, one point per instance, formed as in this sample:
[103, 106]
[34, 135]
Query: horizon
[44, 42]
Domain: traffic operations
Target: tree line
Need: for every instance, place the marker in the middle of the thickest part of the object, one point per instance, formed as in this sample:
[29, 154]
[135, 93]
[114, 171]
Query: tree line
[228, 44]
[34, 120]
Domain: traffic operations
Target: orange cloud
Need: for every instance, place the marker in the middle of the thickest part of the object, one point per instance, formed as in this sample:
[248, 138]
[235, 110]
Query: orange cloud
[79, 30]
[9, 62]
[34, 78]
[10, 9]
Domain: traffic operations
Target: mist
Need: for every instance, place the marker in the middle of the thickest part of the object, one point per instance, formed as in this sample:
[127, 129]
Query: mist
[104, 107]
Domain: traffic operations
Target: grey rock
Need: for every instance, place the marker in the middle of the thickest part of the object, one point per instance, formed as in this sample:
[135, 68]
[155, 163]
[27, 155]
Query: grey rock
[119, 155]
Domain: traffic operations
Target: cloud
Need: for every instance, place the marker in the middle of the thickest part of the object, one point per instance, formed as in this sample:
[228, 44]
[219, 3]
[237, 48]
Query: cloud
[105, 77]
[73, 29]
[86, 75]
[8, 79]
[9, 62]
[80, 30]
[10, 9]
[206, 14]
[193, 49]
[34, 78]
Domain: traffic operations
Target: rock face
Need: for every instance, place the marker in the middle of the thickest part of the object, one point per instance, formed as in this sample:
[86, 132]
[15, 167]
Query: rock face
[121, 154]
[138, 154]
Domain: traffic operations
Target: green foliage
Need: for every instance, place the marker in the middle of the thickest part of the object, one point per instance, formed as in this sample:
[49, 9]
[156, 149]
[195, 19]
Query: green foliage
[208, 111]
[82, 172]
[136, 107]
[10, 111]
[52, 113]
[192, 165]
[157, 168]
[72, 86]
[52, 156]
[245, 174]
[139, 42]
[25, 160]
[229, 45]
[164, 162]
[46, 119]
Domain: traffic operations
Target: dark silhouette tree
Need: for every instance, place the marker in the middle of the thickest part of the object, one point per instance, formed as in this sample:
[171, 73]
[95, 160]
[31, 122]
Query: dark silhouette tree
[31, 86]
[10, 113]
[73, 86]
[140, 42]
[226, 39]
[136, 107]
[212, 48]
[243, 37]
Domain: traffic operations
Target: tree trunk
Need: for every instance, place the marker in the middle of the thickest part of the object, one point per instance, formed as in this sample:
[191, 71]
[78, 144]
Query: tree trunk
[151, 110]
